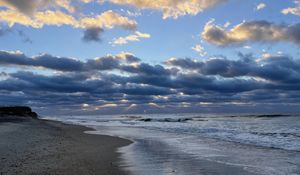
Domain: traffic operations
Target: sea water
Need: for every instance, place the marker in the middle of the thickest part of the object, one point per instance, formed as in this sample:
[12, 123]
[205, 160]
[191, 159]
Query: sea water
[202, 143]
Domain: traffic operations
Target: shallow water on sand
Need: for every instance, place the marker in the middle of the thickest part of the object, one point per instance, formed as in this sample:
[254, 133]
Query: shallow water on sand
[202, 143]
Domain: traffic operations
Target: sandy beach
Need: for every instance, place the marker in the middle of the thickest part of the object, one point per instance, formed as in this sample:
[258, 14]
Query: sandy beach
[32, 146]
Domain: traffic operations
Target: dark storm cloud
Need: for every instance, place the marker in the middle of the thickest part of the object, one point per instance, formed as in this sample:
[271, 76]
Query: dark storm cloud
[253, 31]
[125, 83]
[92, 34]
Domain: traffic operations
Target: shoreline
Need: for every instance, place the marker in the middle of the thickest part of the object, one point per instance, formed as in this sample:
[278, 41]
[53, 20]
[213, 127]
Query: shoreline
[39, 146]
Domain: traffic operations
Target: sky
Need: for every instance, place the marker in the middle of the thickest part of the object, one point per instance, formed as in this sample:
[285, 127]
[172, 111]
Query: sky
[164, 56]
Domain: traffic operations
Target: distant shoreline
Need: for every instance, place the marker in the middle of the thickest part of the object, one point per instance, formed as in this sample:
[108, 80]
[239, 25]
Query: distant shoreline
[37, 146]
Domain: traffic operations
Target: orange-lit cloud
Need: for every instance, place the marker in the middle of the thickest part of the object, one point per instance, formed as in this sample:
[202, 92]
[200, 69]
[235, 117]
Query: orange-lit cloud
[254, 31]
[108, 19]
[171, 8]
[134, 37]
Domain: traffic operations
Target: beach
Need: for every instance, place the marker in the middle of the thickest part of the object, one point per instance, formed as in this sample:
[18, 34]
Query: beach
[202, 144]
[189, 144]
[33, 146]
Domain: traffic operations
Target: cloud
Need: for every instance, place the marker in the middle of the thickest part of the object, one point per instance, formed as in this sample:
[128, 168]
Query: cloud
[134, 37]
[92, 34]
[107, 19]
[188, 64]
[39, 13]
[45, 60]
[30, 7]
[131, 85]
[254, 31]
[171, 8]
[292, 10]
[227, 24]
[199, 49]
[128, 57]
[55, 18]
[260, 6]
[67, 64]
[27, 7]
[66, 4]
[12, 17]
[132, 13]
[273, 68]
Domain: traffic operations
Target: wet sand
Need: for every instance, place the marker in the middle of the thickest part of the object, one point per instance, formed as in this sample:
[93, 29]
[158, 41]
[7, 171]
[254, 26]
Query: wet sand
[31, 146]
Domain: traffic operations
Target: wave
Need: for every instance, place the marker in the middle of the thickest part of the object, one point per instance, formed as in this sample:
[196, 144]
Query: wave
[171, 119]
[201, 118]
[276, 134]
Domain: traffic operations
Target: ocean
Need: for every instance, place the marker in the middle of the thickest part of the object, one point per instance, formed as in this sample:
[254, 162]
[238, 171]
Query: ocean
[195, 144]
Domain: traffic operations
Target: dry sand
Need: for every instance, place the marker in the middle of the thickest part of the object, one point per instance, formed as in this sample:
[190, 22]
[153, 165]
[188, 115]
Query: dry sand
[30, 146]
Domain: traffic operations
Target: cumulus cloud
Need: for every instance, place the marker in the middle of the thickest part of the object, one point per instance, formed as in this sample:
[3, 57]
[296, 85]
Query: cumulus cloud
[131, 38]
[171, 8]
[253, 31]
